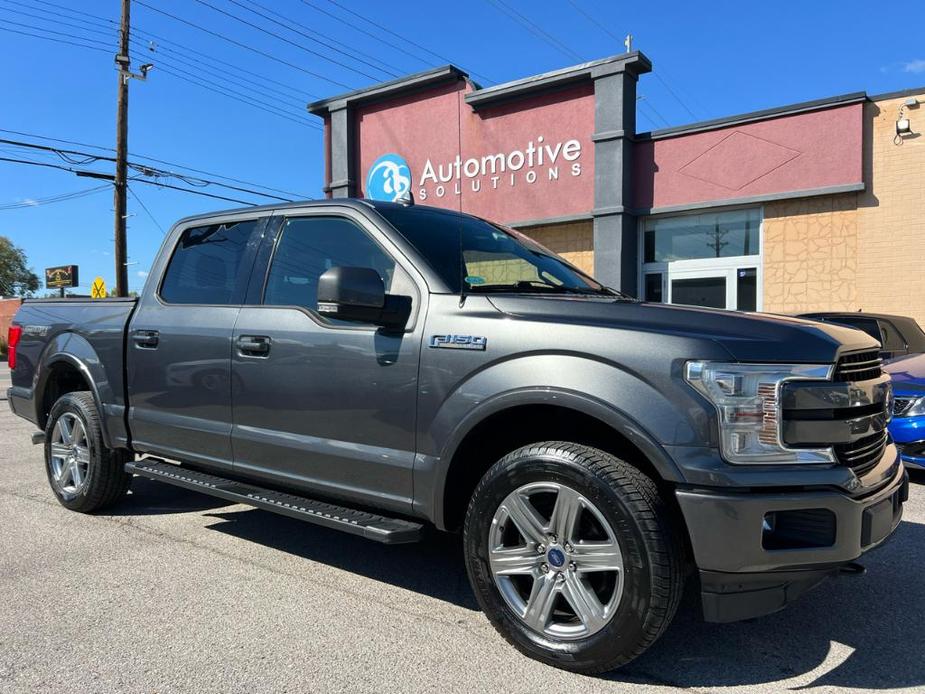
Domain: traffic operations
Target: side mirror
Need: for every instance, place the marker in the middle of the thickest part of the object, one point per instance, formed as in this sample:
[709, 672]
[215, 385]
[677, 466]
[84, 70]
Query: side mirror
[358, 294]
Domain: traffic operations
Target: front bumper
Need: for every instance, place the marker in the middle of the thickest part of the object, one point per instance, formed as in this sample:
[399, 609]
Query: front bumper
[746, 570]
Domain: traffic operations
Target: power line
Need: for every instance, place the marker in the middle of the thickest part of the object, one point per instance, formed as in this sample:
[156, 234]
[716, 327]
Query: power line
[150, 172]
[159, 161]
[38, 202]
[228, 92]
[48, 38]
[616, 38]
[242, 45]
[353, 26]
[178, 48]
[145, 208]
[535, 29]
[299, 103]
[96, 174]
[645, 102]
[310, 36]
[380, 27]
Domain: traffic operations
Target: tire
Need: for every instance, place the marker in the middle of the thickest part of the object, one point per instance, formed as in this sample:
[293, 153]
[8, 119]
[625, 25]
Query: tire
[626, 523]
[83, 473]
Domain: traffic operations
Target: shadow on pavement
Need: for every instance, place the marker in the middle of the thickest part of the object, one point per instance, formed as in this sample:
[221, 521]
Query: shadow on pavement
[151, 498]
[879, 617]
[432, 567]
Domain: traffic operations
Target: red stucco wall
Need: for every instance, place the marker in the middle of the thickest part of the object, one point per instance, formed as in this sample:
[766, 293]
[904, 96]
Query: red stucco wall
[791, 153]
[438, 125]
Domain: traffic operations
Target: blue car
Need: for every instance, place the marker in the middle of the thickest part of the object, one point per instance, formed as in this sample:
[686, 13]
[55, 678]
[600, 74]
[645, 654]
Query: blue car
[908, 425]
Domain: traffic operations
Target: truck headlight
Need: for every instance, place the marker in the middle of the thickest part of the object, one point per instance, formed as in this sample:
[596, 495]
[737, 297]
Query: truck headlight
[747, 400]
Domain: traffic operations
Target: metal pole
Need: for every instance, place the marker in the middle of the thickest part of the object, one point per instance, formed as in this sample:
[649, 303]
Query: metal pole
[120, 182]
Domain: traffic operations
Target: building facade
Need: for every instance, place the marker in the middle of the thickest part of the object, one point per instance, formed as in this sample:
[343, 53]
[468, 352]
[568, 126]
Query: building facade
[809, 207]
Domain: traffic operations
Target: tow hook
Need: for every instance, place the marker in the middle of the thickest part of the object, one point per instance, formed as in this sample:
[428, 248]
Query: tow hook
[852, 569]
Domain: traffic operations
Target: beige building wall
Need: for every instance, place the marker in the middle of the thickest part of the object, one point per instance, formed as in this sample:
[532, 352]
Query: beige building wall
[863, 251]
[891, 214]
[574, 241]
[811, 254]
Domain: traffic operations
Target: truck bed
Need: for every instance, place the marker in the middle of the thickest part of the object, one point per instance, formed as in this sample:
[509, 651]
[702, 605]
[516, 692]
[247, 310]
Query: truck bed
[82, 335]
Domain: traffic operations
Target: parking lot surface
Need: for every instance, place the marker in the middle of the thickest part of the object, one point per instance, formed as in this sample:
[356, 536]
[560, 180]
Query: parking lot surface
[177, 592]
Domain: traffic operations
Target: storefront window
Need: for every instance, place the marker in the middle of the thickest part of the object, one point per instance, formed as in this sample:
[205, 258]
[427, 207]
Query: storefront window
[701, 236]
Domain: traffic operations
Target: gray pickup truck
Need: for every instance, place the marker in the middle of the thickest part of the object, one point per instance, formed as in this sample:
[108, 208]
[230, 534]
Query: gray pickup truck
[378, 368]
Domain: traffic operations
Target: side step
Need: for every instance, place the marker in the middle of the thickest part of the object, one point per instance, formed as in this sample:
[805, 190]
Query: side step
[369, 525]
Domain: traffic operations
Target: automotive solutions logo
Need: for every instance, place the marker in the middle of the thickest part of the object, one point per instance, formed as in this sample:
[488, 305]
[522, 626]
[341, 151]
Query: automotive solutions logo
[388, 179]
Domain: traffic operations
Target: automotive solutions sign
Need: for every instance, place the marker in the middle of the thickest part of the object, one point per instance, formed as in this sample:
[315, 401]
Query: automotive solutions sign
[390, 176]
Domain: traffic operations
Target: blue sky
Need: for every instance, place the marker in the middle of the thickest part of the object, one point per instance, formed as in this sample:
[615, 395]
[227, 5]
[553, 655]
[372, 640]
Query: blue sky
[713, 59]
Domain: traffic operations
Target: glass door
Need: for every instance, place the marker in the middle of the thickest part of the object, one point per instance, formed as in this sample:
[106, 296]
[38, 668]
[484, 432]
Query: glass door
[710, 259]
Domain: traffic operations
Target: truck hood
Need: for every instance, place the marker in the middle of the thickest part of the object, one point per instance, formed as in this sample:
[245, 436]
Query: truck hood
[748, 337]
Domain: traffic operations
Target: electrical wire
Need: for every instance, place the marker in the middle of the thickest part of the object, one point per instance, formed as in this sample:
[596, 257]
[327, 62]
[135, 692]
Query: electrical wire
[380, 27]
[616, 38]
[145, 208]
[225, 91]
[159, 161]
[310, 35]
[38, 202]
[535, 29]
[180, 49]
[241, 45]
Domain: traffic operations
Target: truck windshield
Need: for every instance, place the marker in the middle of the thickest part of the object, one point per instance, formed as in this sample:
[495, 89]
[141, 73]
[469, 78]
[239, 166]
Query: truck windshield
[494, 258]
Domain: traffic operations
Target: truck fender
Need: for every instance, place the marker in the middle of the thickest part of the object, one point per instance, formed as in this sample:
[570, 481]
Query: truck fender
[588, 386]
[74, 350]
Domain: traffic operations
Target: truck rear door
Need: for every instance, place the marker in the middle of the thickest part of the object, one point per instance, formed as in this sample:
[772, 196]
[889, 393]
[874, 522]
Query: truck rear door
[179, 341]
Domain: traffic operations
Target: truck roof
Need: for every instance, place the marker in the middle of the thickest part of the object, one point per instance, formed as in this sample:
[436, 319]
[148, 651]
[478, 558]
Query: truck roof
[300, 204]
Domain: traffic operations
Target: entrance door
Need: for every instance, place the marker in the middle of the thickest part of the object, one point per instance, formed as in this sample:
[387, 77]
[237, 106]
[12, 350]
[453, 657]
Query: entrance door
[733, 288]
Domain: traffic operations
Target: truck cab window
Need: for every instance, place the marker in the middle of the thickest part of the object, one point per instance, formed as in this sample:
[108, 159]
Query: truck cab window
[206, 264]
[308, 247]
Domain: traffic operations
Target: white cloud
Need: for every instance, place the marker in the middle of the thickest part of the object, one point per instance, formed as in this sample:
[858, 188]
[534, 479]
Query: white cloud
[30, 202]
[142, 274]
[915, 66]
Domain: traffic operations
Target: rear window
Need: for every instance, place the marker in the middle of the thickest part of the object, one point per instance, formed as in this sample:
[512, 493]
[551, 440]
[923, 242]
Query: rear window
[206, 265]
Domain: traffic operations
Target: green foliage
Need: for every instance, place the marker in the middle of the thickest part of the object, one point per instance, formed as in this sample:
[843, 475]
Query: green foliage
[16, 278]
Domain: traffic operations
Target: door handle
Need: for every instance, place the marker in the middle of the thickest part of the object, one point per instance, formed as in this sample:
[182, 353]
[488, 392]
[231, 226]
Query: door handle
[254, 345]
[146, 339]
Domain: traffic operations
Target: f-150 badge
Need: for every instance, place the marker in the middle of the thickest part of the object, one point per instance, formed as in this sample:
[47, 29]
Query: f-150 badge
[458, 341]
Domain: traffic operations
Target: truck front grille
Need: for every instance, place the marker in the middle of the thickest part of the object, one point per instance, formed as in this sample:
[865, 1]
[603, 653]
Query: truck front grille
[860, 366]
[863, 454]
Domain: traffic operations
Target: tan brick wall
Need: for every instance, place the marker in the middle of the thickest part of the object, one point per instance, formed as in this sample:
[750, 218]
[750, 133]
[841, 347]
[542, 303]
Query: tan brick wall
[574, 241]
[856, 251]
[810, 254]
[891, 214]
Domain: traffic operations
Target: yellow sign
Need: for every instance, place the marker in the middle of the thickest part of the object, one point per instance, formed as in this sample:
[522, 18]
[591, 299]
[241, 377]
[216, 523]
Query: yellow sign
[98, 290]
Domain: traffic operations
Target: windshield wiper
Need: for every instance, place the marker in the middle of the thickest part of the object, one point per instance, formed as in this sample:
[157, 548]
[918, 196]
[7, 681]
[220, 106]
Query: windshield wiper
[531, 286]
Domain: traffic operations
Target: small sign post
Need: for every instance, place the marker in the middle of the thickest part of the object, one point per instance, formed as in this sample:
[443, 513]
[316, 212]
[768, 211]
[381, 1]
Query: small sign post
[98, 289]
[61, 277]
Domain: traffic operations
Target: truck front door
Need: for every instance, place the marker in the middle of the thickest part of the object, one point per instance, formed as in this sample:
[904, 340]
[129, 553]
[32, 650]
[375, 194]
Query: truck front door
[322, 404]
[179, 342]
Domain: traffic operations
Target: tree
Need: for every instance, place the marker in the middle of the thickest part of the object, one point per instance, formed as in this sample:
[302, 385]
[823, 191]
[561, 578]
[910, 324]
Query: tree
[16, 278]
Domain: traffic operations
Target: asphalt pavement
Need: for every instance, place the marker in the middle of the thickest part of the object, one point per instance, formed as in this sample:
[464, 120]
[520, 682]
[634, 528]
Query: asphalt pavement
[172, 591]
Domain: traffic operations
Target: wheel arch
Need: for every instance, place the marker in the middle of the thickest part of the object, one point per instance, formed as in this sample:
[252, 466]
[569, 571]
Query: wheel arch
[517, 418]
[67, 367]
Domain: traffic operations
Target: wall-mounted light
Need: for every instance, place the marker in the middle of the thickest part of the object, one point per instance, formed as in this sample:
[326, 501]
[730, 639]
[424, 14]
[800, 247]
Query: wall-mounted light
[903, 124]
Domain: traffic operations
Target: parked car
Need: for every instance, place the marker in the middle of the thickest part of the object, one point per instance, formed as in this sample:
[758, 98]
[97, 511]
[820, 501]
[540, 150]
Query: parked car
[375, 367]
[908, 425]
[898, 335]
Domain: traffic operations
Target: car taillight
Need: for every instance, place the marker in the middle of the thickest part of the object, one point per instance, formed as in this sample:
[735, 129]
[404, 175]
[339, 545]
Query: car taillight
[12, 339]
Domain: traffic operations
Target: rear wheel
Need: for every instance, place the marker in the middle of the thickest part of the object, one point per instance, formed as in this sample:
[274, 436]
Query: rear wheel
[572, 555]
[83, 473]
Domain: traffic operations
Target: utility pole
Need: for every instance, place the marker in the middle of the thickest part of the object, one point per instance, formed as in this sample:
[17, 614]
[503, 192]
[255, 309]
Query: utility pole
[120, 182]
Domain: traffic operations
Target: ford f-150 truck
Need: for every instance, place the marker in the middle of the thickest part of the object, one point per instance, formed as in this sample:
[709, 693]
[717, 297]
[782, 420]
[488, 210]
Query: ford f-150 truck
[377, 368]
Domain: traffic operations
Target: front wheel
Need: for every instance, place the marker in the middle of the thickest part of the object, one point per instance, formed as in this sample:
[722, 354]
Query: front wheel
[573, 556]
[83, 473]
